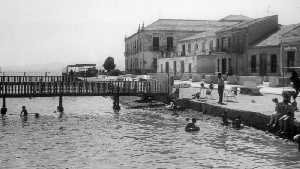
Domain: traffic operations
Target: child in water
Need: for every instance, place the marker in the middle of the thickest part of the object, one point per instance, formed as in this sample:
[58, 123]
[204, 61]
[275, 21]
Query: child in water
[24, 112]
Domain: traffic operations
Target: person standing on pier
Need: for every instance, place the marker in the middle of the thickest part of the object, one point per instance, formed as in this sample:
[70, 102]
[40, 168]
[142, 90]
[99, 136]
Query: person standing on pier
[220, 88]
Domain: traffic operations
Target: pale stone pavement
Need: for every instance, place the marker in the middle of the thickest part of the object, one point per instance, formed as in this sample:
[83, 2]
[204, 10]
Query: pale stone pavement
[262, 104]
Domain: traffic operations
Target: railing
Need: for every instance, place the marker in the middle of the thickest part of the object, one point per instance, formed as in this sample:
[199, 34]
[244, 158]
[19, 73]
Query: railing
[81, 88]
[30, 73]
[34, 78]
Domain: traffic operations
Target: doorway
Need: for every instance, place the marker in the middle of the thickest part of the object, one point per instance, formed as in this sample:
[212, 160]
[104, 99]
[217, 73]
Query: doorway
[262, 64]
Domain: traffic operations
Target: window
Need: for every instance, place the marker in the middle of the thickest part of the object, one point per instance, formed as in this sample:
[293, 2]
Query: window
[167, 67]
[189, 48]
[190, 68]
[182, 66]
[161, 68]
[183, 50]
[290, 58]
[203, 47]
[174, 67]
[253, 64]
[196, 47]
[218, 65]
[273, 63]
[140, 45]
[224, 68]
[155, 43]
[211, 45]
[169, 43]
[224, 44]
[218, 45]
[230, 71]
[229, 43]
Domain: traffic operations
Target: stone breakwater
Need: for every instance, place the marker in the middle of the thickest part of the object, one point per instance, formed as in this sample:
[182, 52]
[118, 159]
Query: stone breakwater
[250, 118]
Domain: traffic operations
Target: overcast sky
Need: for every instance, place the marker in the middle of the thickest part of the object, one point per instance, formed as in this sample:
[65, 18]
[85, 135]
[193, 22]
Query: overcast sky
[87, 31]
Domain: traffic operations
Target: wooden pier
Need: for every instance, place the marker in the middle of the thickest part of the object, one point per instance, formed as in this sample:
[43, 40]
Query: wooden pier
[51, 86]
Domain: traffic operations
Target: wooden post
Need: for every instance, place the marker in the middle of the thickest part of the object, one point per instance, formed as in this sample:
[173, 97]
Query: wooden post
[3, 109]
[116, 105]
[60, 107]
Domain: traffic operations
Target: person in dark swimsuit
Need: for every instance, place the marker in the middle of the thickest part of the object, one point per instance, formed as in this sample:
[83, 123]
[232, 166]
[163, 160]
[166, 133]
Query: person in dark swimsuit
[191, 126]
[24, 112]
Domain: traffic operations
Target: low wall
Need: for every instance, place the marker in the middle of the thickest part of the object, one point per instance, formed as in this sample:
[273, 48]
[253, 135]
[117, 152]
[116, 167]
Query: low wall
[249, 118]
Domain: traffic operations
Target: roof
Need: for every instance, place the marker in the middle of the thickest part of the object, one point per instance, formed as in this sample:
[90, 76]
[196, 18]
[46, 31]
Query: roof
[275, 38]
[186, 25]
[200, 35]
[238, 18]
[81, 65]
[246, 24]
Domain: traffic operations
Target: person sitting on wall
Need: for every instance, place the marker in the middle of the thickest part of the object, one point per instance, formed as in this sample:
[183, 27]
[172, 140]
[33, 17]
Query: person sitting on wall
[274, 117]
[202, 93]
[296, 84]
[285, 112]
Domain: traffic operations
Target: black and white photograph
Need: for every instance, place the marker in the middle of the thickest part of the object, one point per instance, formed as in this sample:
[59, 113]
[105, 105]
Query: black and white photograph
[149, 84]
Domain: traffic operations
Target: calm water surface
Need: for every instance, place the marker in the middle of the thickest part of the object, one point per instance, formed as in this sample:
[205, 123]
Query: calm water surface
[92, 136]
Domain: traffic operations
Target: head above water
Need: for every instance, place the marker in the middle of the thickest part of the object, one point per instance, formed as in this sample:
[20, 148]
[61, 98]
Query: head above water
[194, 120]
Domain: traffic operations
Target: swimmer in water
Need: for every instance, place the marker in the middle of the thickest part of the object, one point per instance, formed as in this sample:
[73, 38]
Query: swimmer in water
[225, 119]
[192, 126]
[24, 112]
[237, 123]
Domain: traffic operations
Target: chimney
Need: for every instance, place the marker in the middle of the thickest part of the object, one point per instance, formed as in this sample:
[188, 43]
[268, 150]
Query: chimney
[139, 28]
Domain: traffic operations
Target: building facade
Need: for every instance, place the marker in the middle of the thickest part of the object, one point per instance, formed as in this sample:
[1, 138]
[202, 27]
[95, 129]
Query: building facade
[257, 49]
[194, 54]
[160, 39]
[233, 43]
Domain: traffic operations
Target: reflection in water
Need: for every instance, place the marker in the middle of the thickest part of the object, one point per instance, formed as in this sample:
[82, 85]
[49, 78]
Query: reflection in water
[93, 136]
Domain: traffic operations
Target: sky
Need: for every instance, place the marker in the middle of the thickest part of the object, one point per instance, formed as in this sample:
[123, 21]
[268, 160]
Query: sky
[61, 32]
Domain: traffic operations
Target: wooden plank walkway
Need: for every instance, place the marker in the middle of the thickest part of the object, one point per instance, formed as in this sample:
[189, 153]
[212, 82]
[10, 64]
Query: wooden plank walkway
[47, 86]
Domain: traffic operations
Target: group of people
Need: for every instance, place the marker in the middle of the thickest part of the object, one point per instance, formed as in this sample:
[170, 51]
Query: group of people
[282, 120]
[204, 92]
[208, 91]
[235, 123]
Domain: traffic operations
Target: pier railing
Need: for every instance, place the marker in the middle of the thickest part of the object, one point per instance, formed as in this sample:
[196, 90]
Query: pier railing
[81, 88]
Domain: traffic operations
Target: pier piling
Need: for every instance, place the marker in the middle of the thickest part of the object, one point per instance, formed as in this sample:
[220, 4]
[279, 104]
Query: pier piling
[116, 104]
[60, 107]
[3, 109]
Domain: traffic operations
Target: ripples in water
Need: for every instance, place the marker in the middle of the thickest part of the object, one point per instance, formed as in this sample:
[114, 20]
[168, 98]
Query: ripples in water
[92, 136]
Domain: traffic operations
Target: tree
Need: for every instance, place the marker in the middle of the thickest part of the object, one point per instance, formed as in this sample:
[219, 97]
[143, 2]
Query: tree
[109, 64]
